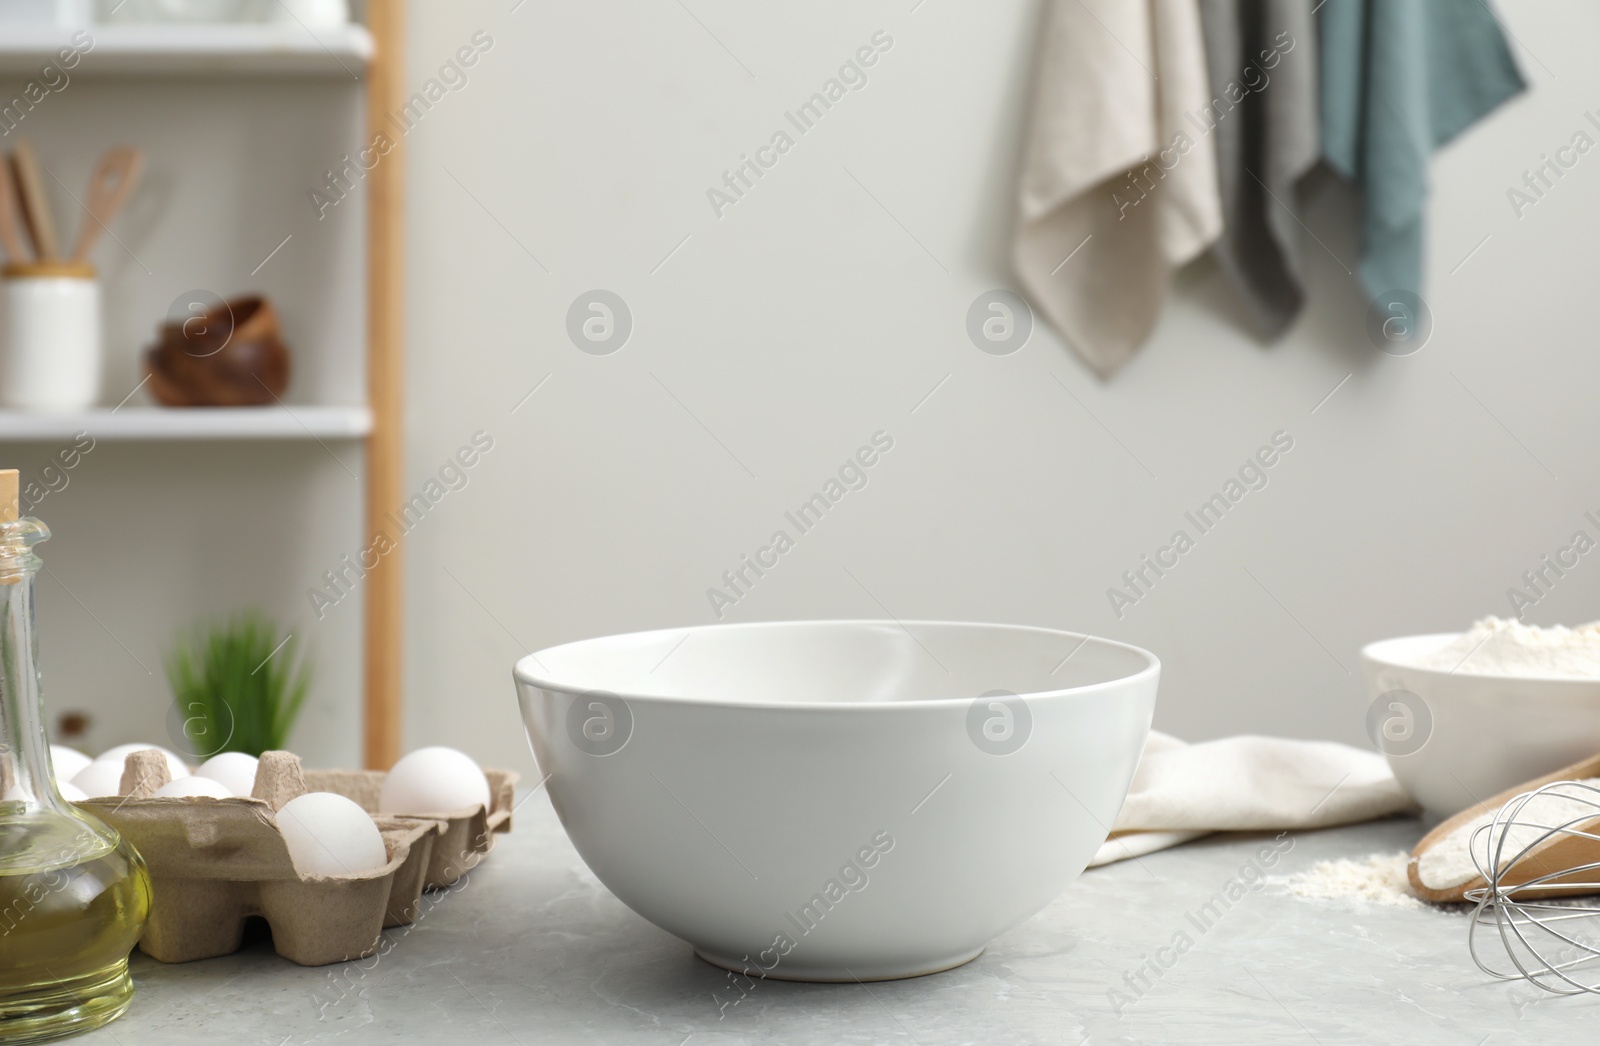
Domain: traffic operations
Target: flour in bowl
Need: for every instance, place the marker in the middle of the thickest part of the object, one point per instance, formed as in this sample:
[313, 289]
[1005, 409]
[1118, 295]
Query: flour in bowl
[1502, 647]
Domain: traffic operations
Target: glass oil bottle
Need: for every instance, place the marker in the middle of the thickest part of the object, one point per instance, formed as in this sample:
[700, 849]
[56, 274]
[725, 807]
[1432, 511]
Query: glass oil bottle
[74, 895]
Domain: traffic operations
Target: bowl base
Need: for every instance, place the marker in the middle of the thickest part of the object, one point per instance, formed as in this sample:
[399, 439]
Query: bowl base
[785, 971]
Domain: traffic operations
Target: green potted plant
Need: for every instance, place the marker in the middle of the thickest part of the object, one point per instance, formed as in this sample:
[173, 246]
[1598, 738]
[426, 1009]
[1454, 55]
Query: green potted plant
[236, 686]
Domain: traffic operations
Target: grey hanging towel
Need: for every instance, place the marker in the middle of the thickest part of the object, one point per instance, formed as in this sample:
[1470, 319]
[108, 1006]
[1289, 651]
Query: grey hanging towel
[1400, 79]
[1261, 57]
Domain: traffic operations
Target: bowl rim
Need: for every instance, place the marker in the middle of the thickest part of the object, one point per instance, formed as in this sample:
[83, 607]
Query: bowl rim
[1371, 657]
[523, 673]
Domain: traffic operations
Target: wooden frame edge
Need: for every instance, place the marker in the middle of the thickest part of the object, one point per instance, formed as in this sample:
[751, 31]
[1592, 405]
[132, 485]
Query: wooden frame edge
[384, 632]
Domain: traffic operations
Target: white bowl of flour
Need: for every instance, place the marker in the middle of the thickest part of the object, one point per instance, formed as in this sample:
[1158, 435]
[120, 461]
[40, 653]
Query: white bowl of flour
[1464, 716]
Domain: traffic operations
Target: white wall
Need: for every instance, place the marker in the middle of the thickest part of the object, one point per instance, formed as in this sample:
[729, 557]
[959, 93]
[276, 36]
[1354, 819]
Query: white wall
[806, 318]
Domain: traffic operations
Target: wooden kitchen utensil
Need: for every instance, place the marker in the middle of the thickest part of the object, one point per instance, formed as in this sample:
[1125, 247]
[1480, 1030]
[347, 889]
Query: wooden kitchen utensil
[35, 206]
[109, 188]
[1560, 851]
[10, 217]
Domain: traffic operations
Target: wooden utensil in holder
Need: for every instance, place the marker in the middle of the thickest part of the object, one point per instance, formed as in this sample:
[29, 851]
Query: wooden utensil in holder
[110, 185]
[35, 205]
[49, 306]
[11, 226]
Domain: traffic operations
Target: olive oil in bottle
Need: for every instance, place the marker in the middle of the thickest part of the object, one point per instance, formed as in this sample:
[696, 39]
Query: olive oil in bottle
[74, 894]
[68, 919]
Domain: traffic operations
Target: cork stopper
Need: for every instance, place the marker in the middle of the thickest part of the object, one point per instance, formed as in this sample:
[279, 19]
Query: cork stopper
[9, 511]
[8, 495]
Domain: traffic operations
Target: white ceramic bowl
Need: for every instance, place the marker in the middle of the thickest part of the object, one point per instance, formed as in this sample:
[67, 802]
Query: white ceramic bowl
[838, 800]
[1472, 736]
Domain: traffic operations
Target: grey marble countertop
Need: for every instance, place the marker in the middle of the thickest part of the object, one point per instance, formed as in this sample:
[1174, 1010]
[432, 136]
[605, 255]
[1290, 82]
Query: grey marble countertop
[531, 949]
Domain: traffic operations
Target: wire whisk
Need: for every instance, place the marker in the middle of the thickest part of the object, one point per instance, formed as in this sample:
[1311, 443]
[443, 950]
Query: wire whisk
[1542, 846]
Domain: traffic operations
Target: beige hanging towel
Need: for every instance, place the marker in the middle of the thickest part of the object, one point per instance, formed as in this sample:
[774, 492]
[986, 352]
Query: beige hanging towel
[1119, 186]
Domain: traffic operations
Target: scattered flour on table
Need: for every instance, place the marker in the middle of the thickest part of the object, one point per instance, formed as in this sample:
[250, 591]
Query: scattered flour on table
[1449, 862]
[1375, 879]
[1502, 647]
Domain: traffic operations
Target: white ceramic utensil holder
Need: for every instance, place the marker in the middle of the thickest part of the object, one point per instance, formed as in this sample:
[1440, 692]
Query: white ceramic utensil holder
[60, 14]
[49, 336]
[310, 14]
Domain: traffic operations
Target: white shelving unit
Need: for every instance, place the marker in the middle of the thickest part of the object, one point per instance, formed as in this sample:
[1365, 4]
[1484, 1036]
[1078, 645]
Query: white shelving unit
[189, 512]
[196, 423]
[191, 50]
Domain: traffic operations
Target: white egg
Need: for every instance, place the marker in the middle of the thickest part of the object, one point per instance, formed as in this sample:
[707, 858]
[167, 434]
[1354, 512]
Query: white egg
[236, 771]
[100, 778]
[328, 834]
[69, 793]
[433, 780]
[66, 762]
[175, 765]
[191, 786]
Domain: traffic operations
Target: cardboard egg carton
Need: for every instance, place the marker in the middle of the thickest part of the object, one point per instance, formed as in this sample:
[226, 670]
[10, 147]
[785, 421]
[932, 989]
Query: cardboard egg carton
[214, 863]
[468, 834]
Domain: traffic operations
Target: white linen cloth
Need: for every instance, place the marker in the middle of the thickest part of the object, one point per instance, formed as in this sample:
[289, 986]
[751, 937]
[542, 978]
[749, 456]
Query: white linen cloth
[1182, 791]
[1119, 187]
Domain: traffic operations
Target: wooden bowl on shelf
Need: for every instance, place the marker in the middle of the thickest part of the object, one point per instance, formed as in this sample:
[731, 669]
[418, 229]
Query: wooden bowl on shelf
[229, 355]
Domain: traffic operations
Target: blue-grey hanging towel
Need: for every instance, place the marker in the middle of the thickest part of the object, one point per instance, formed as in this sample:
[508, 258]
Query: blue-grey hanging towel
[1400, 78]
